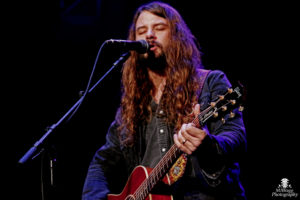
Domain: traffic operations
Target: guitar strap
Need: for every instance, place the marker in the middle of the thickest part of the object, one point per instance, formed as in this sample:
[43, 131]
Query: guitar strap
[178, 168]
[203, 75]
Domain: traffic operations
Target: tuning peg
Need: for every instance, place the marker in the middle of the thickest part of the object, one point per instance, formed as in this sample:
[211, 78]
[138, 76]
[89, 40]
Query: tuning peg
[223, 120]
[221, 97]
[241, 108]
[231, 115]
[216, 114]
[224, 108]
[233, 101]
[230, 90]
[213, 104]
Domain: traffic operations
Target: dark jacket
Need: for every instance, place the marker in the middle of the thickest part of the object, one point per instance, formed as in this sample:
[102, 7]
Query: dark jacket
[212, 171]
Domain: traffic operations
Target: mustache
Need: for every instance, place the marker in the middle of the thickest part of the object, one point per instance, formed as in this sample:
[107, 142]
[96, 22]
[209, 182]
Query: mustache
[150, 58]
[153, 43]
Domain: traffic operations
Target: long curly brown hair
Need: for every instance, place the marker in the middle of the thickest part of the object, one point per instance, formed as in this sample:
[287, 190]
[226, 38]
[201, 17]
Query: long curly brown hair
[182, 72]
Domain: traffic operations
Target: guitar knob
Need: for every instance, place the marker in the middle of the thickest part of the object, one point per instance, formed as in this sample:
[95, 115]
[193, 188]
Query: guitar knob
[241, 108]
[233, 101]
[224, 108]
[230, 90]
[221, 97]
[231, 115]
[213, 104]
[216, 114]
[223, 120]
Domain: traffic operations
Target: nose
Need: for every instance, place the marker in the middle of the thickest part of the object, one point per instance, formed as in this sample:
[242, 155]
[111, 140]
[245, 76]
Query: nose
[150, 35]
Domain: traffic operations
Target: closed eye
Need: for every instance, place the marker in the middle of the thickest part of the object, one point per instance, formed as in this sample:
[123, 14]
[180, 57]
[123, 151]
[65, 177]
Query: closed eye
[160, 27]
[141, 30]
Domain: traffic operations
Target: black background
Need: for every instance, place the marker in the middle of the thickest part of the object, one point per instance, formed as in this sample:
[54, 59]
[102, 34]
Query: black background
[49, 50]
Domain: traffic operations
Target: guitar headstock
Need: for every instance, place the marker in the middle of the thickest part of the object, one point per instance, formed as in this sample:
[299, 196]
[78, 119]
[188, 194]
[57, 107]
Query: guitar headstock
[224, 104]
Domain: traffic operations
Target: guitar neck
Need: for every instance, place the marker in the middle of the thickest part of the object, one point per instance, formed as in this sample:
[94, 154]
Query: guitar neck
[162, 167]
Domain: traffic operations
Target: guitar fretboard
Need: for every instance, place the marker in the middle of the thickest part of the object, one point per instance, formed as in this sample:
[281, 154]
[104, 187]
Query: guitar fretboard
[158, 172]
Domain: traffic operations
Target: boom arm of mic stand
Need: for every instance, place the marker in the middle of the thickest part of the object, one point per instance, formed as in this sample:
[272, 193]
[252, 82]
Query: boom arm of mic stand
[122, 58]
[29, 154]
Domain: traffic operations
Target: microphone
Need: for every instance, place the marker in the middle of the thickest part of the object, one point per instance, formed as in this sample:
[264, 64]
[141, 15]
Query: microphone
[141, 46]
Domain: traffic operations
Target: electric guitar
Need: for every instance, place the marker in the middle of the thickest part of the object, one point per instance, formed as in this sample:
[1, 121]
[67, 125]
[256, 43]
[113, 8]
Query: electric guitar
[143, 179]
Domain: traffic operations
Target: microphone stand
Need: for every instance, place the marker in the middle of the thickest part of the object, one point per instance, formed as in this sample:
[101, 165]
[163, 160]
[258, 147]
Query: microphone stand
[31, 153]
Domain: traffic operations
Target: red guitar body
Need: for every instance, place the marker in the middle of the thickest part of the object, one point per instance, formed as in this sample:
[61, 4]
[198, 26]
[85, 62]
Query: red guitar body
[139, 174]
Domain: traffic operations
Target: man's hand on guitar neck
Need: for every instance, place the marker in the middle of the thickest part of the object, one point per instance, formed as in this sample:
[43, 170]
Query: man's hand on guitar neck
[189, 136]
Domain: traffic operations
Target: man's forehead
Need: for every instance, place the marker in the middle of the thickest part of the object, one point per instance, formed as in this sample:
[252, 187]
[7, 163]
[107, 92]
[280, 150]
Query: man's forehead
[148, 18]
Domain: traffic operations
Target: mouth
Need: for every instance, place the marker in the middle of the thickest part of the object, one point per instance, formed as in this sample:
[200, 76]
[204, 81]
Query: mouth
[153, 47]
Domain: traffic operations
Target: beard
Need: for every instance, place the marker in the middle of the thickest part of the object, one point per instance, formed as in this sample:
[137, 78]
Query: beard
[156, 63]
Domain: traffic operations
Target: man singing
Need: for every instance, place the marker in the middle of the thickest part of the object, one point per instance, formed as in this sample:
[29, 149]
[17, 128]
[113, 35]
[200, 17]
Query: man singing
[161, 90]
